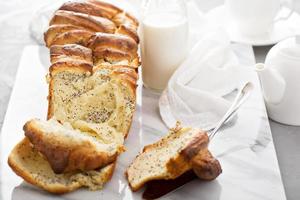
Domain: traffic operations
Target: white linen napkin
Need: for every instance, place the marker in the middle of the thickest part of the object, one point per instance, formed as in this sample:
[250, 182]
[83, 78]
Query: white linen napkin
[195, 93]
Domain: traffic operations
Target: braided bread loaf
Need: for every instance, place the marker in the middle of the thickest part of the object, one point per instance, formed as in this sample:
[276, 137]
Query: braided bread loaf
[92, 81]
[90, 16]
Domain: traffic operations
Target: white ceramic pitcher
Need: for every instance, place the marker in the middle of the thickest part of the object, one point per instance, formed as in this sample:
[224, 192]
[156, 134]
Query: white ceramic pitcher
[280, 80]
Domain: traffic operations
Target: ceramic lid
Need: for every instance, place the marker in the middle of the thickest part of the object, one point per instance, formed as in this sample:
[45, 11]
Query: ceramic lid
[290, 47]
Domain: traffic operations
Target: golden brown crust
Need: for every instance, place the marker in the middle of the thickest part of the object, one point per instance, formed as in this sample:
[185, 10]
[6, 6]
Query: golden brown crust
[196, 145]
[80, 37]
[129, 81]
[126, 70]
[101, 55]
[77, 22]
[56, 30]
[128, 30]
[132, 19]
[205, 166]
[89, 8]
[125, 18]
[106, 6]
[121, 43]
[63, 156]
[88, 22]
[70, 51]
[181, 164]
[198, 157]
[70, 65]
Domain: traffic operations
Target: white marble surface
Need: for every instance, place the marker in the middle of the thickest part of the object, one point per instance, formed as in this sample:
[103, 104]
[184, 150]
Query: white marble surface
[14, 35]
[245, 150]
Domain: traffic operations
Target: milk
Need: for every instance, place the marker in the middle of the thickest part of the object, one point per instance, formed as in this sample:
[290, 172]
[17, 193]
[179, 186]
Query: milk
[164, 46]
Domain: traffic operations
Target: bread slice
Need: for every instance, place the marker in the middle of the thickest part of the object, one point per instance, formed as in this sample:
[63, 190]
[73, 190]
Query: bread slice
[167, 158]
[28, 163]
[115, 42]
[70, 52]
[79, 36]
[56, 30]
[99, 95]
[68, 149]
[114, 49]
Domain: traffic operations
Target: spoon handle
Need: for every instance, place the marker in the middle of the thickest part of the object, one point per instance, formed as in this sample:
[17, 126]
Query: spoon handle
[241, 97]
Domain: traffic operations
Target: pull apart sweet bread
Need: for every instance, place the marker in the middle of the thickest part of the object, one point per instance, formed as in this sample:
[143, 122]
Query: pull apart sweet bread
[92, 82]
[92, 85]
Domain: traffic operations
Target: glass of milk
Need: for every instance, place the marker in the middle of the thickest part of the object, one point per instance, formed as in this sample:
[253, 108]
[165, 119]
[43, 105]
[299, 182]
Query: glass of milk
[164, 41]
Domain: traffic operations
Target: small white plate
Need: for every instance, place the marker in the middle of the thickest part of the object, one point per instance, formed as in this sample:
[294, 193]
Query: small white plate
[282, 29]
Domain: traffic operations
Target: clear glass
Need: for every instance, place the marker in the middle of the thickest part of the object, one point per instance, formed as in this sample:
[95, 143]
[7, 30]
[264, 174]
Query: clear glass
[164, 40]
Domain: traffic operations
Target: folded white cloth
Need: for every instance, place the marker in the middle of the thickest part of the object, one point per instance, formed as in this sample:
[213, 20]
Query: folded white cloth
[195, 93]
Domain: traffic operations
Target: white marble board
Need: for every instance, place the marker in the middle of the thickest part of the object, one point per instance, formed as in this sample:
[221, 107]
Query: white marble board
[245, 150]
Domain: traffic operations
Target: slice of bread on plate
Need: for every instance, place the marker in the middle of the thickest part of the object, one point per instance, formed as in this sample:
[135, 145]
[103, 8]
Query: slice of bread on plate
[168, 158]
[27, 162]
[68, 149]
